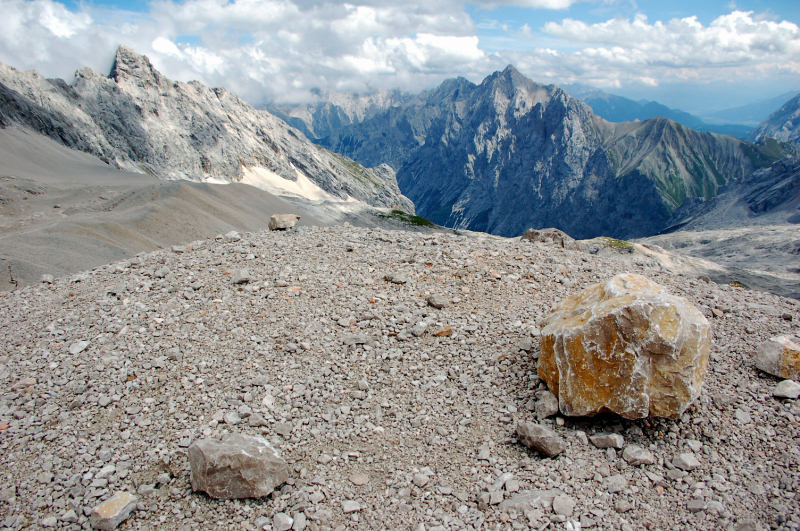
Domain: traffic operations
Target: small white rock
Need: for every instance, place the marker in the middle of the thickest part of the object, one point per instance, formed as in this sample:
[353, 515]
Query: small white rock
[787, 389]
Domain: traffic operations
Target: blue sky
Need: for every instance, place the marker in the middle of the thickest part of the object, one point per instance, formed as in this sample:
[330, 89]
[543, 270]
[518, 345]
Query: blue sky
[694, 55]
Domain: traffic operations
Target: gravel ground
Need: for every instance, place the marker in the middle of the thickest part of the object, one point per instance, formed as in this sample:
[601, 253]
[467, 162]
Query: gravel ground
[391, 413]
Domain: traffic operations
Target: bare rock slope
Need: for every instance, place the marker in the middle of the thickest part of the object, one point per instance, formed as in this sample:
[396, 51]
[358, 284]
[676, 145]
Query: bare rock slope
[391, 413]
[137, 119]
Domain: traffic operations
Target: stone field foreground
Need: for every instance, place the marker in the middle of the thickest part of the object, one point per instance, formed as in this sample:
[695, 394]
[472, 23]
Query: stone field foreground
[391, 371]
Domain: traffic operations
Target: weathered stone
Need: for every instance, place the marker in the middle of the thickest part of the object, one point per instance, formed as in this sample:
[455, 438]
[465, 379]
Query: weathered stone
[563, 505]
[607, 440]
[283, 221]
[237, 466]
[350, 506]
[437, 301]
[787, 389]
[636, 455]
[546, 405]
[282, 522]
[241, 277]
[531, 499]
[685, 461]
[78, 347]
[615, 483]
[553, 236]
[780, 356]
[359, 478]
[542, 439]
[112, 512]
[625, 346]
[47, 278]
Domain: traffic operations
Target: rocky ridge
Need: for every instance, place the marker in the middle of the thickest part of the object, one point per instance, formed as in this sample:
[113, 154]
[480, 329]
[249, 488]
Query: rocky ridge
[510, 154]
[782, 125]
[334, 110]
[390, 411]
[137, 119]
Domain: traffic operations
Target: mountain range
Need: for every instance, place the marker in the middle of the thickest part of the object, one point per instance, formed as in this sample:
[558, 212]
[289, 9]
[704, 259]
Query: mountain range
[620, 109]
[508, 154]
[138, 120]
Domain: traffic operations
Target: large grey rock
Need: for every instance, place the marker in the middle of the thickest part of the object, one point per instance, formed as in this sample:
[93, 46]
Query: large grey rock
[112, 512]
[540, 438]
[283, 221]
[237, 466]
[553, 236]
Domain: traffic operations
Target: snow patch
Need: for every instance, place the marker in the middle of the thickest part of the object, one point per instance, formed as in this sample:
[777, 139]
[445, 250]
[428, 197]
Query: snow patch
[269, 181]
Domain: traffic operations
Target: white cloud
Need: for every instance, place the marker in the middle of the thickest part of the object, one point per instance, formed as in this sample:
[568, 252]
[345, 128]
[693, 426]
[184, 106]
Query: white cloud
[283, 49]
[680, 49]
[534, 4]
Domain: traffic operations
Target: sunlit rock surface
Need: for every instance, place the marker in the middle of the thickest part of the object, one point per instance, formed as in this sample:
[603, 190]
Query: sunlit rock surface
[625, 346]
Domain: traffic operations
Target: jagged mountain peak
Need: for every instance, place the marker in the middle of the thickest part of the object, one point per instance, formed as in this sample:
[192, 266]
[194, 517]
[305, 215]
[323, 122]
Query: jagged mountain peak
[129, 64]
[138, 119]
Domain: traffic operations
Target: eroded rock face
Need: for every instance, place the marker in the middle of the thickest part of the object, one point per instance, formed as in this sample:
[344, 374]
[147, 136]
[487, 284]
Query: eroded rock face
[237, 466]
[625, 346]
[780, 356]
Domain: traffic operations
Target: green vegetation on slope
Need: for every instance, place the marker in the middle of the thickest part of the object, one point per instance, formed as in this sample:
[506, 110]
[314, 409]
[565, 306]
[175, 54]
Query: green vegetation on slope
[405, 217]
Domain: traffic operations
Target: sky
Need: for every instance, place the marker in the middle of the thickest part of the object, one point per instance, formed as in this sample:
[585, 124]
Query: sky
[697, 56]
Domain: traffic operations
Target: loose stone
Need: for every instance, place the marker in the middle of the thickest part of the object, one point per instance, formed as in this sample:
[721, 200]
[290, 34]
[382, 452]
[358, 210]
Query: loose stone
[540, 438]
[607, 440]
[109, 514]
[636, 455]
[787, 389]
[685, 461]
[237, 466]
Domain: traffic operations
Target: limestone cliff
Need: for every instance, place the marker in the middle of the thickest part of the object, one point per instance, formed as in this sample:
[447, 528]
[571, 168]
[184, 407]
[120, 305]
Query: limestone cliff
[137, 119]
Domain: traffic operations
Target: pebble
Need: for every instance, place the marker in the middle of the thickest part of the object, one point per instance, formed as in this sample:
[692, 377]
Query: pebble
[635, 455]
[242, 276]
[78, 347]
[546, 405]
[350, 506]
[607, 440]
[685, 461]
[563, 505]
[540, 438]
[615, 483]
[112, 512]
[437, 301]
[282, 522]
[696, 505]
[359, 478]
[742, 416]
